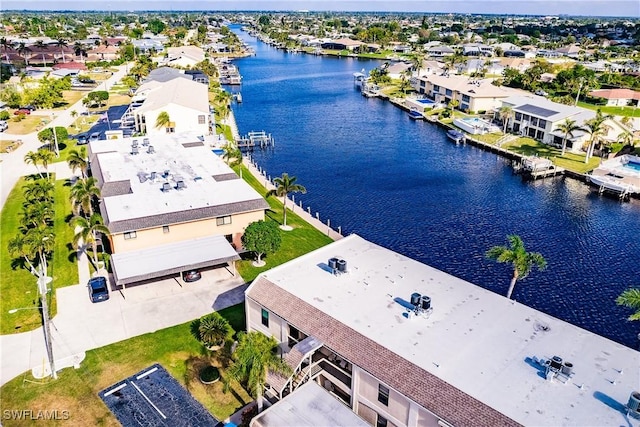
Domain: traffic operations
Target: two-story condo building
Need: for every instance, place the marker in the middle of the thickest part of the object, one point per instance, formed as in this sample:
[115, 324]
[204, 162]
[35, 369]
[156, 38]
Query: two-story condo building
[170, 204]
[404, 344]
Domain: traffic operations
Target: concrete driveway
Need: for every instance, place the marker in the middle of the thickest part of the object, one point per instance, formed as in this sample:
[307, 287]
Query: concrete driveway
[81, 325]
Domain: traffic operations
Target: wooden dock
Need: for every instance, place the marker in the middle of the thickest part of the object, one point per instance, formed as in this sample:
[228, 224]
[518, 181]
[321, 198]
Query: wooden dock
[255, 139]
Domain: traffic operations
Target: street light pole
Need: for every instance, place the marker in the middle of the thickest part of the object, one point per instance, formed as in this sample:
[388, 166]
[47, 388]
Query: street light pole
[42, 288]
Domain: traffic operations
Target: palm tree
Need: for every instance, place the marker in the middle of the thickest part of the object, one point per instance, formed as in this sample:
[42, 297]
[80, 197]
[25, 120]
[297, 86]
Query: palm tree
[77, 159]
[40, 45]
[232, 154]
[23, 50]
[284, 186]
[40, 189]
[37, 213]
[34, 246]
[82, 194]
[212, 330]
[631, 299]
[62, 43]
[33, 158]
[46, 158]
[74, 114]
[568, 127]
[5, 45]
[521, 260]
[254, 356]
[596, 129]
[506, 113]
[88, 230]
[163, 120]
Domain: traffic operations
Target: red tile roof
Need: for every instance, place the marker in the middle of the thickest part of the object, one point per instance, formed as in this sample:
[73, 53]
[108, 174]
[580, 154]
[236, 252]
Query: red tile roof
[615, 94]
[426, 389]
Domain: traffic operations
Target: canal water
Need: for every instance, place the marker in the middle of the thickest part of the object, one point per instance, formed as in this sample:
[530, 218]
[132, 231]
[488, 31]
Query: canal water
[402, 184]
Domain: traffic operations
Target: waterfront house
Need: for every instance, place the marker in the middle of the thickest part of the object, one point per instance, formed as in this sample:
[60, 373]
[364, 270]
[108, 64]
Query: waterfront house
[440, 51]
[186, 101]
[618, 97]
[538, 118]
[342, 44]
[170, 205]
[473, 95]
[184, 56]
[404, 344]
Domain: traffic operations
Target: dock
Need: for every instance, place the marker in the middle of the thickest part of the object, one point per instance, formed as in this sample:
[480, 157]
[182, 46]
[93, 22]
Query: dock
[533, 167]
[255, 139]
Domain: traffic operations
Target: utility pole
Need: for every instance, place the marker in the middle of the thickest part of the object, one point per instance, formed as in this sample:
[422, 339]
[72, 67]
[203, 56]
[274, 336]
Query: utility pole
[42, 288]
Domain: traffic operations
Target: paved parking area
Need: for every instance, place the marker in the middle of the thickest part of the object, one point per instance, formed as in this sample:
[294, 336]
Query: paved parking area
[81, 325]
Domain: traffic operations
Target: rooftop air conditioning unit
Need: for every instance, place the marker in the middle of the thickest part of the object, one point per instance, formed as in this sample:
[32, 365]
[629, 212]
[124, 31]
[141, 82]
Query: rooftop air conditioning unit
[633, 406]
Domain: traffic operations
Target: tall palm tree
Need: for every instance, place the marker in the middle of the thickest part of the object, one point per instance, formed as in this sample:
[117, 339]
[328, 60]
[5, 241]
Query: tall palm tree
[568, 127]
[77, 159]
[82, 194]
[596, 130]
[33, 158]
[254, 356]
[631, 299]
[163, 120]
[284, 186]
[516, 255]
[506, 113]
[23, 50]
[88, 230]
[37, 213]
[62, 43]
[232, 154]
[46, 158]
[74, 114]
[40, 45]
[5, 45]
[34, 245]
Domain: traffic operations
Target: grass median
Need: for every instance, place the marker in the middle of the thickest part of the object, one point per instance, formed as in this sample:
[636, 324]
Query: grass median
[17, 285]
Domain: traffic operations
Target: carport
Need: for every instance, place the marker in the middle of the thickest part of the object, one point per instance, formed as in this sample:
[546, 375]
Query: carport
[170, 259]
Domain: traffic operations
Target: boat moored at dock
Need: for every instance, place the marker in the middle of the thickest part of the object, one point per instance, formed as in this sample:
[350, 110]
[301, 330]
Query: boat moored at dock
[415, 114]
[455, 136]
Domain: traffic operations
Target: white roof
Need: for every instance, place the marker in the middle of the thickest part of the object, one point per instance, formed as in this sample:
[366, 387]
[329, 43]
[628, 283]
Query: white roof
[554, 111]
[179, 91]
[476, 340]
[308, 406]
[196, 166]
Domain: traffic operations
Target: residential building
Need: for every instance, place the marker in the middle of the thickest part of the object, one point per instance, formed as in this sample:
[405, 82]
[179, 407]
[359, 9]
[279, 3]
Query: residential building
[170, 205]
[539, 118]
[618, 97]
[186, 102]
[472, 94]
[342, 44]
[184, 56]
[404, 344]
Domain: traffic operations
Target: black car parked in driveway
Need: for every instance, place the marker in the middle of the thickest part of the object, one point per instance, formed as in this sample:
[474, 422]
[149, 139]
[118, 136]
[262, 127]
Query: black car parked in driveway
[98, 289]
[82, 139]
[191, 276]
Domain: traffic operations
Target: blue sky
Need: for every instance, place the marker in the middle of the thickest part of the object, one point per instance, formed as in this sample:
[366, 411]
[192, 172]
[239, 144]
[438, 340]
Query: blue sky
[625, 8]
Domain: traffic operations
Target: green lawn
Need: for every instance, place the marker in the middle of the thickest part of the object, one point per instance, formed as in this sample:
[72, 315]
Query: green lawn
[616, 111]
[76, 390]
[302, 239]
[17, 285]
[570, 161]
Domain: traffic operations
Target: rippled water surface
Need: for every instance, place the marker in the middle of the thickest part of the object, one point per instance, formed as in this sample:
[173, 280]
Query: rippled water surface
[404, 185]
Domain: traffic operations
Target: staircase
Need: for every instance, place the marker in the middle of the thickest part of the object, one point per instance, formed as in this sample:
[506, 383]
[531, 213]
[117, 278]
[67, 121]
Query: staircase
[504, 139]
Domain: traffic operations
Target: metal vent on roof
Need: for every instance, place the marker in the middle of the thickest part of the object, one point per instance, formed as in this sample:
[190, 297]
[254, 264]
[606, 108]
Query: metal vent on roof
[337, 265]
[166, 187]
[421, 305]
[151, 150]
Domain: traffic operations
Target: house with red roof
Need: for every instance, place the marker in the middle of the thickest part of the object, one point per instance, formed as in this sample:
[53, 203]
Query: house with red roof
[618, 97]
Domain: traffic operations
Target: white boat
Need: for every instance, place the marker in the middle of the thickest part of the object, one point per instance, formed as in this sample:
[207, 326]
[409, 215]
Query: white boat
[415, 114]
[455, 136]
[535, 164]
[612, 183]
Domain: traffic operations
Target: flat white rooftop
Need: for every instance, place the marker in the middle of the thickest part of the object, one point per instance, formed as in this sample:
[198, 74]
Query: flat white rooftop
[179, 173]
[474, 339]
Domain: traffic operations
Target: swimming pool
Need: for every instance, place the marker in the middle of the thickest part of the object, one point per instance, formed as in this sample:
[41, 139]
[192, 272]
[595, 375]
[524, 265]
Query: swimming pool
[633, 166]
[473, 125]
[425, 101]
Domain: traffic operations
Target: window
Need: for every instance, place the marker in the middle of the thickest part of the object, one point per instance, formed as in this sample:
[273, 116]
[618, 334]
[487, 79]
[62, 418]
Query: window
[534, 121]
[265, 317]
[518, 116]
[448, 92]
[165, 228]
[223, 220]
[130, 235]
[436, 88]
[465, 98]
[542, 123]
[383, 395]
[381, 422]
[201, 119]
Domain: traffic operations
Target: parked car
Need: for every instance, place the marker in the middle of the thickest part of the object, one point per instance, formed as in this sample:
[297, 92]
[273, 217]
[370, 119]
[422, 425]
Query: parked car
[94, 137]
[3, 125]
[82, 139]
[87, 81]
[25, 111]
[98, 290]
[28, 107]
[191, 276]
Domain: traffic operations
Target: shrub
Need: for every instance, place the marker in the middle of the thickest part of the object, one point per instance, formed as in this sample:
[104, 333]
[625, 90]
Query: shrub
[4, 115]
